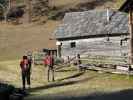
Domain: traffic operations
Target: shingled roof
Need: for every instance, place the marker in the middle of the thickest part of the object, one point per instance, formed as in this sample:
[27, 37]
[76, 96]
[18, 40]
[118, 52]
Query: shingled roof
[92, 23]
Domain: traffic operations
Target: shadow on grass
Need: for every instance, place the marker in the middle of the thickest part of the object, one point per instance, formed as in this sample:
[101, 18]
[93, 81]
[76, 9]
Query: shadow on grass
[5, 91]
[59, 67]
[61, 84]
[73, 76]
[120, 95]
[9, 92]
[66, 70]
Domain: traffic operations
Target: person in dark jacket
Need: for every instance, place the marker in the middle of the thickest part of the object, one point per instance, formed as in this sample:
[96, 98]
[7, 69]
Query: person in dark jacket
[29, 57]
[80, 64]
[24, 68]
[49, 61]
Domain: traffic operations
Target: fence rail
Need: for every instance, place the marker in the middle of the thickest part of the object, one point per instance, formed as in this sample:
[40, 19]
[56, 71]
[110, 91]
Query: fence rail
[99, 59]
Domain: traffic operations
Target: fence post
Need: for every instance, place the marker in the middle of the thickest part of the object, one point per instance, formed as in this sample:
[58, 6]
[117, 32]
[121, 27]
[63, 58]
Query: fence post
[33, 59]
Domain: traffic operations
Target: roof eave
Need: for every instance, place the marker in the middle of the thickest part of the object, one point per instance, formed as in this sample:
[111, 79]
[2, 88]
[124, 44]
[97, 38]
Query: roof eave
[89, 36]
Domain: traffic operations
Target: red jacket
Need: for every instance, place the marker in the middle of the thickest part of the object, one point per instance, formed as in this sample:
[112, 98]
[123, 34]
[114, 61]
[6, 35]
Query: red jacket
[49, 60]
[24, 64]
[45, 61]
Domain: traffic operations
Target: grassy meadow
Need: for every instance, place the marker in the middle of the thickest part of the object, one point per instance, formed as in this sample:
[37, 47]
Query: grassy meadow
[69, 81]
[70, 84]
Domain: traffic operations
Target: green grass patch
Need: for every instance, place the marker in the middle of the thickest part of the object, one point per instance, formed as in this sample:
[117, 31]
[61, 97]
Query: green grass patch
[69, 81]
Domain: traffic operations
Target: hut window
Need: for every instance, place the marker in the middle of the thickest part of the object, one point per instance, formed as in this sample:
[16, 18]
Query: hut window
[73, 44]
[123, 41]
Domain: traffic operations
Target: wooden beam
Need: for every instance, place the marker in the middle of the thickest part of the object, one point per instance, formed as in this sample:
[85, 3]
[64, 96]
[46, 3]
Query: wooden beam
[58, 44]
[131, 36]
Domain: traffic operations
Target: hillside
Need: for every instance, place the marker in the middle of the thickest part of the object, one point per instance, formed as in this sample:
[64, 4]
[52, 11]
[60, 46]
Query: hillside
[56, 9]
[15, 40]
[72, 3]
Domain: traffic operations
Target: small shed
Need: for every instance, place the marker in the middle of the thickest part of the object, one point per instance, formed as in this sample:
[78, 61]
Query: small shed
[94, 32]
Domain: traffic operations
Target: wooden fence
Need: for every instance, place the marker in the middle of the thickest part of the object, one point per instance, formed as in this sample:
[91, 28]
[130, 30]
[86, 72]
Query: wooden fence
[99, 59]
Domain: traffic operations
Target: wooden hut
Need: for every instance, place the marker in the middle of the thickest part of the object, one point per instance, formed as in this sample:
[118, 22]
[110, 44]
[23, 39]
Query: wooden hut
[94, 32]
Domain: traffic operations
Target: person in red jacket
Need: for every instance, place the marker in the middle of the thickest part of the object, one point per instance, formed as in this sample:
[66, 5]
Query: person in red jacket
[49, 62]
[24, 68]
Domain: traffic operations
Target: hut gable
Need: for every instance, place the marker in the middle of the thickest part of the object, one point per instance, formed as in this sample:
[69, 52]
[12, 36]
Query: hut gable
[93, 23]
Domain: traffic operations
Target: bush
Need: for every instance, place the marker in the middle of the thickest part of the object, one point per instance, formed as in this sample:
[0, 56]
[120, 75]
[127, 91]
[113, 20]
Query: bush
[56, 15]
[58, 60]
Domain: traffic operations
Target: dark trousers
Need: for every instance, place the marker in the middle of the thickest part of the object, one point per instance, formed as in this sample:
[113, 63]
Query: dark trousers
[25, 77]
[50, 70]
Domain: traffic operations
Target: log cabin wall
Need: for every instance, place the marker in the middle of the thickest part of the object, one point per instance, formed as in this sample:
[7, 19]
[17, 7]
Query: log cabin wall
[106, 46]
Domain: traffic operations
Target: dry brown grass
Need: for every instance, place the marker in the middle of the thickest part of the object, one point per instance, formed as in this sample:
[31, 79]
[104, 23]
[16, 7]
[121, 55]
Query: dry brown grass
[16, 40]
[115, 4]
[68, 3]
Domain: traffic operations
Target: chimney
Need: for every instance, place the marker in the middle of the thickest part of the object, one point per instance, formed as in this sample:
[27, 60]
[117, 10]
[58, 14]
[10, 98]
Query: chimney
[108, 20]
